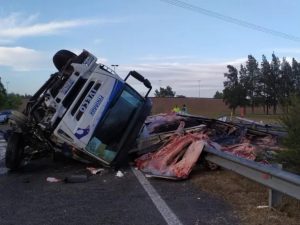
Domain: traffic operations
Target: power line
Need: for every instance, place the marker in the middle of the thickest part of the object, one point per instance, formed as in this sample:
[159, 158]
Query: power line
[230, 19]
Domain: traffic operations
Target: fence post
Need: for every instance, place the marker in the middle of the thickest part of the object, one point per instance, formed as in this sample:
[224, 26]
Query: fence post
[275, 197]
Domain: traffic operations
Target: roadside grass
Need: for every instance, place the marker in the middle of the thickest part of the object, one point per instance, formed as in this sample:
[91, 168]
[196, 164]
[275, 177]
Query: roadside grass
[245, 197]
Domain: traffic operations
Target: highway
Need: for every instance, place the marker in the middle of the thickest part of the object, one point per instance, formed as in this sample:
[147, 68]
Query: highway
[27, 198]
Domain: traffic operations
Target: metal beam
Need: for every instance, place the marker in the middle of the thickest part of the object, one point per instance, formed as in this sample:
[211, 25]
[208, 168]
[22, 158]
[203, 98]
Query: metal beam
[267, 175]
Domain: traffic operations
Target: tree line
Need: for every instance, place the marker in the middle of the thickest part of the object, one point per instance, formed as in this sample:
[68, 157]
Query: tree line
[266, 84]
[10, 100]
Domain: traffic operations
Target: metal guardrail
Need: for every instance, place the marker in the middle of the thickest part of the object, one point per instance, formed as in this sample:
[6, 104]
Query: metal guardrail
[268, 175]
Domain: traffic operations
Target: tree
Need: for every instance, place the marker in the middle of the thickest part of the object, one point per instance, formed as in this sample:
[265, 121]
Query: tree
[269, 85]
[9, 101]
[286, 84]
[291, 121]
[274, 81]
[13, 101]
[296, 76]
[235, 97]
[234, 94]
[250, 77]
[2, 94]
[265, 79]
[164, 92]
[218, 95]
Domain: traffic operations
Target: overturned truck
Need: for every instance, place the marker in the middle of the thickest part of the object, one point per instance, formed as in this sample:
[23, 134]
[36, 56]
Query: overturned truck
[84, 110]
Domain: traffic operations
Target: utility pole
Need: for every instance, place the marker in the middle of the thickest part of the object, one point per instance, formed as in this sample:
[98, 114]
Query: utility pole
[199, 86]
[159, 81]
[114, 66]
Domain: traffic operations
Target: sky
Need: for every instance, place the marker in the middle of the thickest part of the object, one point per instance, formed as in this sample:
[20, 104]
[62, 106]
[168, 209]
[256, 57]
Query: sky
[167, 44]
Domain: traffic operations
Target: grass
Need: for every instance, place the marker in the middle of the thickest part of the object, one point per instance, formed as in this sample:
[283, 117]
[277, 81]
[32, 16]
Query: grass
[245, 196]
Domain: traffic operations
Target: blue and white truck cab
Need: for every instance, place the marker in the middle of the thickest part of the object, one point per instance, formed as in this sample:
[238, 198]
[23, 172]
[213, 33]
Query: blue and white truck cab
[84, 110]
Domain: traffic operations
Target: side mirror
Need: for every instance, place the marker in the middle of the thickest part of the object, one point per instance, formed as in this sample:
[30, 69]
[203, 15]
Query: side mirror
[140, 78]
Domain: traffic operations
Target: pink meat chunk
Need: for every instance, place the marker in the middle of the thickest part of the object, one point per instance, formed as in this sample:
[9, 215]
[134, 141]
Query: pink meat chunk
[243, 150]
[176, 158]
[183, 167]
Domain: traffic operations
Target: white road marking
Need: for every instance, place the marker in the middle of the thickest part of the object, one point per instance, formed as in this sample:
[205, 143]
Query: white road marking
[160, 204]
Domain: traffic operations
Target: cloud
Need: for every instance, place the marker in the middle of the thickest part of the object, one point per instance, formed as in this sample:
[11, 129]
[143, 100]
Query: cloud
[25, 59]
[235, 62]
[184, 78]
[17, 25]
[165, 58]
[22, 59]
[17, 19]
[40, 29]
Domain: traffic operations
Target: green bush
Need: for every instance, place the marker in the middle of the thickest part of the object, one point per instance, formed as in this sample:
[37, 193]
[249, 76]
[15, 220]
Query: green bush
[291, 120]
[13, 101]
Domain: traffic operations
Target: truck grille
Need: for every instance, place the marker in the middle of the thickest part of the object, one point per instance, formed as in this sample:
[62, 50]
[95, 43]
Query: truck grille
[85, 99]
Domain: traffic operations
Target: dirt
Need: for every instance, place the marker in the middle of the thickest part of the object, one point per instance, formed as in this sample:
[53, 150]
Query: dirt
[246, 196]
[201, 106]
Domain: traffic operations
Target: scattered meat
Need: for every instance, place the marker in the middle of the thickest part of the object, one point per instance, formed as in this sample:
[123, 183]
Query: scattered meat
[243, 150]
[53, 180]
[268, 142]
[181, 151]
[163, 122]
[180, 129]
[94, 170]
[157, 162]
[183, 167]
[177, 157]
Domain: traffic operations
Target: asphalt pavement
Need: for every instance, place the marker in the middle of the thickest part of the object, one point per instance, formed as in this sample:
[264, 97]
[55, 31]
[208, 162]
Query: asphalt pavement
[27, 198]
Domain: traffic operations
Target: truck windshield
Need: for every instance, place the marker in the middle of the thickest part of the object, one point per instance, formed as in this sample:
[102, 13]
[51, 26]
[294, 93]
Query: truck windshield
[110, 130]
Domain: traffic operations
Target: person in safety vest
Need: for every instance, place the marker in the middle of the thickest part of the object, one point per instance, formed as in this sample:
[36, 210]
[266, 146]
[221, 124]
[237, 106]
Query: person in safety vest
[176, 109]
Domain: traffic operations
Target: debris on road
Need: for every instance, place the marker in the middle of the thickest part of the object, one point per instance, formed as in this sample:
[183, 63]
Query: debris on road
[53, 180]
[162, 122]
[69, 179]
[76, 178]
[176, 158]
[170, 144]
[261, 126]
[94, 170]
[119, 174]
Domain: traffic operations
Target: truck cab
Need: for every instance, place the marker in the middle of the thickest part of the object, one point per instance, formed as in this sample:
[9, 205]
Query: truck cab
[84, 110]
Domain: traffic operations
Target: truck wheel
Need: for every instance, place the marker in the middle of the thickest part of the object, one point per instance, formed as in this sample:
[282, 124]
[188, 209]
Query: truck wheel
[14, 151]
[61, 58]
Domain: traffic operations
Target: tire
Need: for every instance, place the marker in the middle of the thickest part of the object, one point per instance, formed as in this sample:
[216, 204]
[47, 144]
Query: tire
[14, 151]
[61, 58]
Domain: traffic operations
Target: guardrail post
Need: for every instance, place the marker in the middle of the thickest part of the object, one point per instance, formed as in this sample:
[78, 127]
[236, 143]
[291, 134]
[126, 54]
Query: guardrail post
[275, 197]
